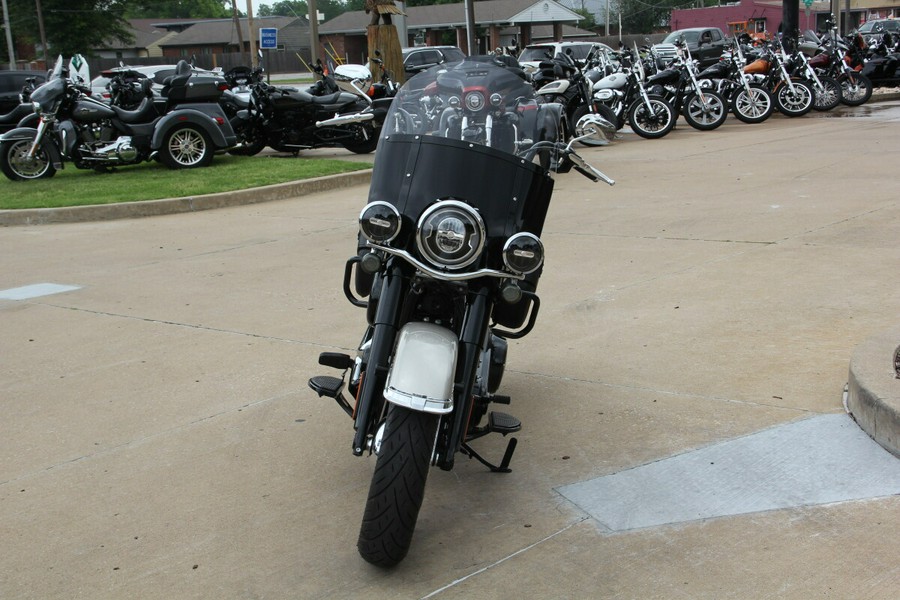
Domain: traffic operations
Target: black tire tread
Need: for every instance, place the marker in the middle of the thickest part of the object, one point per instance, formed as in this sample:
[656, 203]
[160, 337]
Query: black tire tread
[398, 486]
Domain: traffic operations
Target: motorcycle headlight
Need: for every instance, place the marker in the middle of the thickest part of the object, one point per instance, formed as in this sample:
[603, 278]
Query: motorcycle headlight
[379, 222]
[474, 101]
[36, 107]
[523, 253]
[450, 234]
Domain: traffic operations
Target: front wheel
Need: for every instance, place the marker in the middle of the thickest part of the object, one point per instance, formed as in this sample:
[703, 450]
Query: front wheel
[17, 166]
[856, 88]
[828, 96]
[794, 102]
[707, 115]
[754, 105]
[398, 486]
[186, 147]
[653, 121]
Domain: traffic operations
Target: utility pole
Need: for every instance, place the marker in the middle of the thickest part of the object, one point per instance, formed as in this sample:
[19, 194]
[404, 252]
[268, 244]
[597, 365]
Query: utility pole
[313, 32]
[470, 27]
[254, 60]
[9, 42]
[237, 26]
[40, 16]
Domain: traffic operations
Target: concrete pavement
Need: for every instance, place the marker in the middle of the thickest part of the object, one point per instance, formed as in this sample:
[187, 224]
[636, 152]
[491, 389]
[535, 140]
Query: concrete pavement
[159, 440]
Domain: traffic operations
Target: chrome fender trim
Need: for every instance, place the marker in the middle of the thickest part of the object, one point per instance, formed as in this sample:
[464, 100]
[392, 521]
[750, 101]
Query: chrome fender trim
[421, 376]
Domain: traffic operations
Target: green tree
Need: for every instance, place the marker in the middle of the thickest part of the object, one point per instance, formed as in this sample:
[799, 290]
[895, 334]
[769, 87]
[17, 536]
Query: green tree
[299, 8]
[72, 26]
[179, 9]
[647, 16]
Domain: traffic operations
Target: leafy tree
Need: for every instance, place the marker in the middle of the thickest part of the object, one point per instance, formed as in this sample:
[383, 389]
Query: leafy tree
[72, 26]
[179, 9]
[299, 8]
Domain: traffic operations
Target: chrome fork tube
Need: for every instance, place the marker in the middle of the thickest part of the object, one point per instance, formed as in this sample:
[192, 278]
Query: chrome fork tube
[41, 129]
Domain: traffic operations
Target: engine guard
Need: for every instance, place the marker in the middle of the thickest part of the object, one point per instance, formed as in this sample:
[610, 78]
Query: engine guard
[422, 373]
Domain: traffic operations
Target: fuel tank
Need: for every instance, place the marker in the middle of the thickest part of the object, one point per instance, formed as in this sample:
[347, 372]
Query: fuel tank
[88, 110]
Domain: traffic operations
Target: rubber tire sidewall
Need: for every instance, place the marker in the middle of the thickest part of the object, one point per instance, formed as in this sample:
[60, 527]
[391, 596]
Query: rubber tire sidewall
[638, 104]
[717, 97]
[862, 80]
[784, 89]
[166, 158]
[398, 486]
[828, 82]
[747, 119]
[6, 168]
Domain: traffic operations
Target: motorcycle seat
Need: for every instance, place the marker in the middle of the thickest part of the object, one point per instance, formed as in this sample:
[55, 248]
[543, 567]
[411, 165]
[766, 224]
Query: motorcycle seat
[144, 113]
[327, 99]
[15, 115]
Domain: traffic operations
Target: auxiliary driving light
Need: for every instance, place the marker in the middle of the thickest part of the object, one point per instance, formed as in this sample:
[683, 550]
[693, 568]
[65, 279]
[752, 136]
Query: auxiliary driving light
[523, 253]
[379, 222]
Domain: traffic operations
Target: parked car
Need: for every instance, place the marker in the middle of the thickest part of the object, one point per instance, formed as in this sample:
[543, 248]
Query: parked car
[419, 58]
[705, 43]
[532, 54]
[156, 73]
[11, 84]
[873, 30]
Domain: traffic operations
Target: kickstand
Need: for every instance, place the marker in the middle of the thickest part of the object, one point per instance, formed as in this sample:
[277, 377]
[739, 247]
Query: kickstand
[504, 464]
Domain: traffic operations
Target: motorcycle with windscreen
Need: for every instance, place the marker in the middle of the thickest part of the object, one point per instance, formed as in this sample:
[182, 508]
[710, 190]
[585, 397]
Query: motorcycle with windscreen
[448, 261]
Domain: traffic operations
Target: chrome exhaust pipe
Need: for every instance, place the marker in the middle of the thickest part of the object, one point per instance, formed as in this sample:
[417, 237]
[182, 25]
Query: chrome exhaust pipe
[346, 119]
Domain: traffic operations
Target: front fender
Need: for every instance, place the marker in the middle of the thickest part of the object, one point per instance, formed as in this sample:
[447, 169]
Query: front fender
[421, 376]
[221, 133]
[29, 133]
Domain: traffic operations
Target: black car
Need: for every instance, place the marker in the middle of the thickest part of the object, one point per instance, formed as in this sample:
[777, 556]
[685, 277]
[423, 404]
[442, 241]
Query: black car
[419, 58]
[706, 45]
[11, 84]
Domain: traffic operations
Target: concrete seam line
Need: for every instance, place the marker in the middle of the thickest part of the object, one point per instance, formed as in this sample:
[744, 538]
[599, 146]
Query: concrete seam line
[166, 206]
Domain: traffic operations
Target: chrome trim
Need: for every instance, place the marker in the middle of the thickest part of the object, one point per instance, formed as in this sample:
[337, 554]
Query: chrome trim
[436, 274]
[470, 212]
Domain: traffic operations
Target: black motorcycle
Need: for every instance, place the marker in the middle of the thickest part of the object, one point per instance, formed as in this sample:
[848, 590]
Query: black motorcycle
[11, 119]
[749, 102]
[565, 81]
[290, 120]
[447, 267]
[183, 128]
[678, 83]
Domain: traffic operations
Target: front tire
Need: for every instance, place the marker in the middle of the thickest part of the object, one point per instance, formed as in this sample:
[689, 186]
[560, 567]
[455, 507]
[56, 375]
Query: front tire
[856, 89]
[754, 106]
[794, 103]
[398, 486]
[652, 123]
[705, 118]
[16, 166]
[186, 147]
[829, 96]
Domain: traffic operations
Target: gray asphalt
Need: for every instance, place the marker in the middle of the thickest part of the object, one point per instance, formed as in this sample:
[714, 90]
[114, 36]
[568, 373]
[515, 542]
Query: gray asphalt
[159, 440]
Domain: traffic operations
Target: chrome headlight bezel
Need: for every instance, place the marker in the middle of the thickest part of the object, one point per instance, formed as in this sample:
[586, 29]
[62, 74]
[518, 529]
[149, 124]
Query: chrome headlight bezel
[523, 253]
[380, 222]
[441, 224]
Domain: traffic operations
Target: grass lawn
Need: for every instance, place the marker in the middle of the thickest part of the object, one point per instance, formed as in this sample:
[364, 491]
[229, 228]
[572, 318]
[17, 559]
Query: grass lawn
[152, 181]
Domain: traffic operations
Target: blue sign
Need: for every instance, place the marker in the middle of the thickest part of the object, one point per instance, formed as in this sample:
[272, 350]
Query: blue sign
[268, 38]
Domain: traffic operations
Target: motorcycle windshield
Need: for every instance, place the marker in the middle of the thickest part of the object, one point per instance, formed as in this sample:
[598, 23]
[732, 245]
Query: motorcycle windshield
[477, 101]
[48, 93]
[463, 132]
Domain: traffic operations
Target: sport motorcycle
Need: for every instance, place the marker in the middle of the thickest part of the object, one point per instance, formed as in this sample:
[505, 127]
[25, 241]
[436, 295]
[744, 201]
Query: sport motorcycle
[447, 266]
[182, 129]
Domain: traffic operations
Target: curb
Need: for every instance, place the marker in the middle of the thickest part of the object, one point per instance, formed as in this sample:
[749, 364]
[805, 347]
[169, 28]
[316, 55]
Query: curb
[874, 389]
[168, 206]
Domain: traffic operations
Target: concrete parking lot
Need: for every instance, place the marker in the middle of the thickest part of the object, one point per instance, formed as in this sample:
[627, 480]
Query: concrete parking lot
[684, 433]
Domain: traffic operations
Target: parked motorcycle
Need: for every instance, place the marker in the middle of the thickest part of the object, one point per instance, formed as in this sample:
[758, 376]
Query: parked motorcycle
[750, 102]
[793, 97]
[564, 81]
[678, 83]
[290, 120]
[11, 119]
[447, 267]
[182, 129]
[826, 90]
[881, 64]
[834, 61]
[649, 115]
